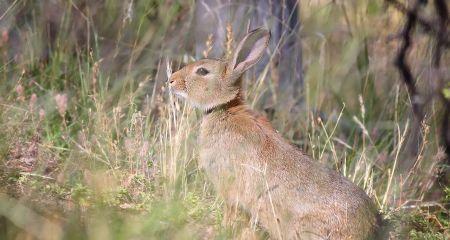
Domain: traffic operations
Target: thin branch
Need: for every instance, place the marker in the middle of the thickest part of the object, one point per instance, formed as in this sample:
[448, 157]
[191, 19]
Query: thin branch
[403, 67]
[417, 101]
[427, 25]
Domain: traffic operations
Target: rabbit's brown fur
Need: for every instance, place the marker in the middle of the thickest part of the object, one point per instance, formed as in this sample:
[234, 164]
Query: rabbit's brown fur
[250, 164]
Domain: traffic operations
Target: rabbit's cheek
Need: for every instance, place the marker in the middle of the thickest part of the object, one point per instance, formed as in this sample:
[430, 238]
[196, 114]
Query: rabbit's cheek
[207, 87]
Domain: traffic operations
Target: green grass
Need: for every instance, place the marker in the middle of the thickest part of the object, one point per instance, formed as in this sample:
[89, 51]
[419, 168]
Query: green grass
[117, 160]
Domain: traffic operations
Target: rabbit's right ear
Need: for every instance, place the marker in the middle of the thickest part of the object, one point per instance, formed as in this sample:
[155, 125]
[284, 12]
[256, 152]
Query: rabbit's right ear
[249, 51]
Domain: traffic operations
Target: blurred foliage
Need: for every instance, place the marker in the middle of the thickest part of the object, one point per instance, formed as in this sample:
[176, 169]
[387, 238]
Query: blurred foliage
[114, 156]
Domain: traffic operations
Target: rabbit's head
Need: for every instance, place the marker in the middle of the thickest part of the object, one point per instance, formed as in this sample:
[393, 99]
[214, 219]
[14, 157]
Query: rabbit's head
[209, 83]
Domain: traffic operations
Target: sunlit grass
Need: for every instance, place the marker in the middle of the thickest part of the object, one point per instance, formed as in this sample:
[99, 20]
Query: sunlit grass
[103, 150]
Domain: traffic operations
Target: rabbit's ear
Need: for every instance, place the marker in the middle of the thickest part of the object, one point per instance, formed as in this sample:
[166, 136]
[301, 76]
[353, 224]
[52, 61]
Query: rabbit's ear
[249, 51]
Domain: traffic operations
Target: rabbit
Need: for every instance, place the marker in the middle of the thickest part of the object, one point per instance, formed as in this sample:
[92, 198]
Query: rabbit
[250, 164]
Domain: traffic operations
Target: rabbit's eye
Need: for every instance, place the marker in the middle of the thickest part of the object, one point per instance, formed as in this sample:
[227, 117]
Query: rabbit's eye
[202, 71]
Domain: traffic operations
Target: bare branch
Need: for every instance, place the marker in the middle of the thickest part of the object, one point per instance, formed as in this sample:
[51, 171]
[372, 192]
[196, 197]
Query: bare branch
[417, 102]
[427, 25]
[403, 67]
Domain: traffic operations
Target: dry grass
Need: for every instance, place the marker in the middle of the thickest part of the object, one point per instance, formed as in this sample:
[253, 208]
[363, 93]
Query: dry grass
[92, 146]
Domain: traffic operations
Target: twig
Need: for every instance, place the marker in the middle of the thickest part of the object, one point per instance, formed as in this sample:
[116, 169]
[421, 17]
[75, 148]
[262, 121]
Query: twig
[401, 60]
[36, 175]
[8, 9]
[408, 78]
[421, 205]
[427, 25]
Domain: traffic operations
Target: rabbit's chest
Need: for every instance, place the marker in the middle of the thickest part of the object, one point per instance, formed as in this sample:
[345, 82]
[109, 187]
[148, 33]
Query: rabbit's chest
[224, 153]
[231, 162]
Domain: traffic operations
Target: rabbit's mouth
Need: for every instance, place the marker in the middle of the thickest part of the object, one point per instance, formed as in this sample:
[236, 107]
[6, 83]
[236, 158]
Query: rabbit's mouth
[178, 93]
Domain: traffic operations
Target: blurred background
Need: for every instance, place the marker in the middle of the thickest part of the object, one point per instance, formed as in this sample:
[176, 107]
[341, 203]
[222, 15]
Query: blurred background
[93, 146]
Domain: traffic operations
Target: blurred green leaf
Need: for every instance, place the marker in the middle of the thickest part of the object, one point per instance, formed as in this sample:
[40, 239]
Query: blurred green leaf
[373, 7]
[446, 92]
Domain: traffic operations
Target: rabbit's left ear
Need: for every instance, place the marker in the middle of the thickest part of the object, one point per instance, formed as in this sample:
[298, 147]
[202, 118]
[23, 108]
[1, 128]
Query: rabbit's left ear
[249, 51]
